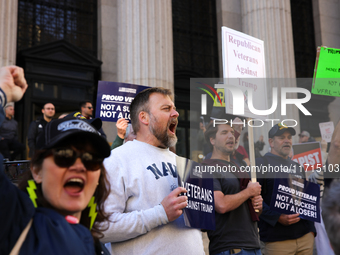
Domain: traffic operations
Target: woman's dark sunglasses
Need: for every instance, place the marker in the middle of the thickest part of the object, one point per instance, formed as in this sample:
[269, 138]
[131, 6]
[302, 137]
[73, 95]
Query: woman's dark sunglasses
[65, 157]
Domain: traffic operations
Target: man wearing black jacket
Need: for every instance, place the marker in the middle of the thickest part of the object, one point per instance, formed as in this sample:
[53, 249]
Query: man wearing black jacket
[38, 125]
[282, 233]
[10, 147]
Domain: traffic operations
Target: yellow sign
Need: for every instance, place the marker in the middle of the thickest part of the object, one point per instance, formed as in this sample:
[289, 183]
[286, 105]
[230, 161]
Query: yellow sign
[217, 103]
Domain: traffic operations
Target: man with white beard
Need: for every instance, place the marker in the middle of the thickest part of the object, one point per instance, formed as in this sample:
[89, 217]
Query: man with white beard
[145, 199]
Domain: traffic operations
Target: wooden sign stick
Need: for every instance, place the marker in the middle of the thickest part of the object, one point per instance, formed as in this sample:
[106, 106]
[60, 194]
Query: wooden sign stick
[251, 153]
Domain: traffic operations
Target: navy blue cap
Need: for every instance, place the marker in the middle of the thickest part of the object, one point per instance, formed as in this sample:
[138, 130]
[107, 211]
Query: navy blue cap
[57, 131]
[279, 129]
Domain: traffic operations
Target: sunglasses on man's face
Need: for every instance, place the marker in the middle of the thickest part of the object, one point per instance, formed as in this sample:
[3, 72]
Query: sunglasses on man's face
[66, 157]
[90, 107]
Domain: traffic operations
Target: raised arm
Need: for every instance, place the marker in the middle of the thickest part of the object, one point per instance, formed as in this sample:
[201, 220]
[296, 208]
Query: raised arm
[13, 82]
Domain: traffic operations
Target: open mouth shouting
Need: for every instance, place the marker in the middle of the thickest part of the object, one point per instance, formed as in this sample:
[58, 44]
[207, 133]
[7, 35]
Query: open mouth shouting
[172, 126]
[74, 186]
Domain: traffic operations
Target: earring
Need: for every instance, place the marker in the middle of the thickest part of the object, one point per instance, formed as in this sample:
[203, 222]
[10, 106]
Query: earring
[92, 213]
[31, 192]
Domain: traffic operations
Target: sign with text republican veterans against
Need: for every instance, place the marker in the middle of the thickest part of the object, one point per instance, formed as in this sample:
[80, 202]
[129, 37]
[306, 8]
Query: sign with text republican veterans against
[326, 78]
[243, 60]
[295, 195]
[200, 211]
[114, 99]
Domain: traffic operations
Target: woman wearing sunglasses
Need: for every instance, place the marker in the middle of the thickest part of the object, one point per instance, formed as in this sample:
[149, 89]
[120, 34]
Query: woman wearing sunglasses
[63, 197]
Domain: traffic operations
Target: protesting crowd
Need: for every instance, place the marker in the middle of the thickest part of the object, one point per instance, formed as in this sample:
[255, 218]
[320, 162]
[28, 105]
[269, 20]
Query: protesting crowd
[83, 196]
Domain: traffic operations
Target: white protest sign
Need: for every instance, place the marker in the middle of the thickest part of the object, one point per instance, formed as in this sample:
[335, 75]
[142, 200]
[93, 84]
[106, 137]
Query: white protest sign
[243, 63]
[326, 130]
[243, 59]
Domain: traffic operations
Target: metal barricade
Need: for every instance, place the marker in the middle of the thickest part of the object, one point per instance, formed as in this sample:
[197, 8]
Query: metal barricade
[16, 169]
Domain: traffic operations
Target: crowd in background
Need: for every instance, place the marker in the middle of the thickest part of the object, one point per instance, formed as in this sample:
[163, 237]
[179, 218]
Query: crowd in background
[80, 193]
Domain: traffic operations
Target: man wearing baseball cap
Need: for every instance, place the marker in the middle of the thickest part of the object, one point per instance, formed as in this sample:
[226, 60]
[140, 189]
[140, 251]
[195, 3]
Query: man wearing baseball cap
[282, 233]
[304, 137]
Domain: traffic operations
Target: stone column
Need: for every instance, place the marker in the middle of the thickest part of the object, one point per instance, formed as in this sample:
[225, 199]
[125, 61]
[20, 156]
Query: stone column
[107, 38]
[145, 45]
[228, 14]
[8, 31]
[135, 44]
[270, 21]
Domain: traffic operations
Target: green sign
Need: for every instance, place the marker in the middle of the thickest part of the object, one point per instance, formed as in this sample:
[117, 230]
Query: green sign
[326, 79]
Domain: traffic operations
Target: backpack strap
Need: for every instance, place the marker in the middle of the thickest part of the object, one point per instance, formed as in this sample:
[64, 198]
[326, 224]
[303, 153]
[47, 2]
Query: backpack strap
[22, 237]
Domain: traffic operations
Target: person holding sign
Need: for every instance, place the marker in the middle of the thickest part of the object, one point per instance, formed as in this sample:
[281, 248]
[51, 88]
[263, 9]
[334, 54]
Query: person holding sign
[124, 133]
[235, 198]
[282, 233]
[145, 199]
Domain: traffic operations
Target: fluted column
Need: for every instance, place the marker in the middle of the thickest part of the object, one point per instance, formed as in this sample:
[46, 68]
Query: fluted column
[145, 45]
[8, 31]
[270, 21]
[107, 38]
